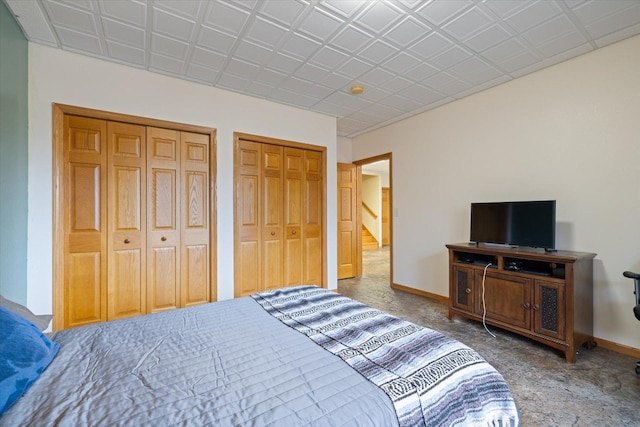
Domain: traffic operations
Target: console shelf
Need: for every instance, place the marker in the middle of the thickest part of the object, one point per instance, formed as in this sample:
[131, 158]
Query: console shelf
[546, 296]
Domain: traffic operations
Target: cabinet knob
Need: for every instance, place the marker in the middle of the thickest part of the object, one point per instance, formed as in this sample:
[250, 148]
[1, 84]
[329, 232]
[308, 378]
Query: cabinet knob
[468, 290]
[164, 239]
[527, 305]
[536, 306]
[273, 233]
[293, 232]
[127, 241]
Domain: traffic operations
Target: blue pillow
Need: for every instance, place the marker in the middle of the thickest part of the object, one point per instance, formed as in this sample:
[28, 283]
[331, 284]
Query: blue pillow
[25, 352]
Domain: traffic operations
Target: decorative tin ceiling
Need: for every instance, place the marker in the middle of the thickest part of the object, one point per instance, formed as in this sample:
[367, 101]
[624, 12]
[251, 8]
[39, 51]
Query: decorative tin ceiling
[410, 55]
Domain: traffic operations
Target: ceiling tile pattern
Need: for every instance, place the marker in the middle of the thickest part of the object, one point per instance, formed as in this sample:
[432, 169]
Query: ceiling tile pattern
[410, 55]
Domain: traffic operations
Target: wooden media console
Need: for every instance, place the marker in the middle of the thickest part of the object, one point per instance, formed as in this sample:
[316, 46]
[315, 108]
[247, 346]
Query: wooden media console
[546, 296]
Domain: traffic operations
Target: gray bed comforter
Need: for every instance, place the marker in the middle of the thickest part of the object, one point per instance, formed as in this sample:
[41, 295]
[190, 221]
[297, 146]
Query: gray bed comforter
[223, 364]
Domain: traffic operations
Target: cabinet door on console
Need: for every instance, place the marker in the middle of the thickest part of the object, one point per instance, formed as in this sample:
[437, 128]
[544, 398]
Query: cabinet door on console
[506, 298]
[549, 309]
[462, 295]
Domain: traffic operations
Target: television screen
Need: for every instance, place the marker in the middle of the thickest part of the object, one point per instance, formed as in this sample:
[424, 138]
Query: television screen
[531, 223]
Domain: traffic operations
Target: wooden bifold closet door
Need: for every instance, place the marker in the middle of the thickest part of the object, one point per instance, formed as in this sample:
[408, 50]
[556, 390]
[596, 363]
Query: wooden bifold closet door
[279, 216]
[136, 229]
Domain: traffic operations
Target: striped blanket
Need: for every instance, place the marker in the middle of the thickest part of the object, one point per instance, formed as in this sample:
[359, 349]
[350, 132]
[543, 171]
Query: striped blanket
[432, 380]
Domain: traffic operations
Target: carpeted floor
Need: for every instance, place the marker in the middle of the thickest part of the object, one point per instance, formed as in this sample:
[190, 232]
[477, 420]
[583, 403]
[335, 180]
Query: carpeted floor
[600, 389]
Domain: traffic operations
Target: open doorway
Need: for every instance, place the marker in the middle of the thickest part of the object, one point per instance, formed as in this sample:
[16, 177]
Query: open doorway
[376, 219]
[365, 232]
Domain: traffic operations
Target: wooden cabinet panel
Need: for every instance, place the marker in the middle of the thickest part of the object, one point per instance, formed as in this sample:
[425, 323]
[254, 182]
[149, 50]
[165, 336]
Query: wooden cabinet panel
[463, 289]
[506, 298]
[549, 309]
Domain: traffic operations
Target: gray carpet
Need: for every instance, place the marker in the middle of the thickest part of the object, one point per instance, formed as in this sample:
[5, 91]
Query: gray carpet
[600, 389]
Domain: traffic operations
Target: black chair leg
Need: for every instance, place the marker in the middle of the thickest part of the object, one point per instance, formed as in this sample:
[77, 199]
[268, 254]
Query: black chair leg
[636, 309]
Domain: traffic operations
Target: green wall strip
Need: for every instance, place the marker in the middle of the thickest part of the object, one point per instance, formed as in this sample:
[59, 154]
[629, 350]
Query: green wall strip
[13, 158]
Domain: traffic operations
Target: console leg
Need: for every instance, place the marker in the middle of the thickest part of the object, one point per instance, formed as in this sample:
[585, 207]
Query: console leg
[570, 355]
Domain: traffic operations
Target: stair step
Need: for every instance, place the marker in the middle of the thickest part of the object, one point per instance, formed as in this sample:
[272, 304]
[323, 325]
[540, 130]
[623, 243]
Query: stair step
[368, 241]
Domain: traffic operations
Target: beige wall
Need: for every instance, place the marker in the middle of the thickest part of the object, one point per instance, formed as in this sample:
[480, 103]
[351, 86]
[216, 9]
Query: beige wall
[66, 78]
[344, 150]
[570, 132]
[372, 196]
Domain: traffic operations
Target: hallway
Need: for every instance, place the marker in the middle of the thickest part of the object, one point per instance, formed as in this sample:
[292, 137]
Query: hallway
[376, 267]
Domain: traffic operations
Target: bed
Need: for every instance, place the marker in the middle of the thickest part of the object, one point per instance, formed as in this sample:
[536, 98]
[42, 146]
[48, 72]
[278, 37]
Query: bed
[294, 356]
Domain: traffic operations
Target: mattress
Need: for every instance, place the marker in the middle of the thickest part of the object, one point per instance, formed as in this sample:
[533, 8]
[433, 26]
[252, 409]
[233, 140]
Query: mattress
[226, 363]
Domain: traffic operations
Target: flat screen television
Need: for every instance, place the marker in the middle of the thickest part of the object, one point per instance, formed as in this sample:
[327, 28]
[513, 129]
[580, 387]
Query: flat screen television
[530, 223]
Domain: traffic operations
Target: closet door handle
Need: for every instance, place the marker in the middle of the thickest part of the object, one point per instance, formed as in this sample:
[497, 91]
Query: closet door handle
[127, 241]
[536, 307]
[527, 305]
[164, 239]
[468, 290]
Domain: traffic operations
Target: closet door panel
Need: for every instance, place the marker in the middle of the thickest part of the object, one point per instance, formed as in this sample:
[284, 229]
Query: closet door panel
[272, 264]
[125, 295]
[312, 227]
[133, 220]
[83, 294]
[85, 244]
[84, 262]
[162, 286]
[293, 202]
[271, 217]
[248, 259]
[248, 254]
[196, 275]
[279, 216]
[195, 281]
[163, 222]
[126, 287]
